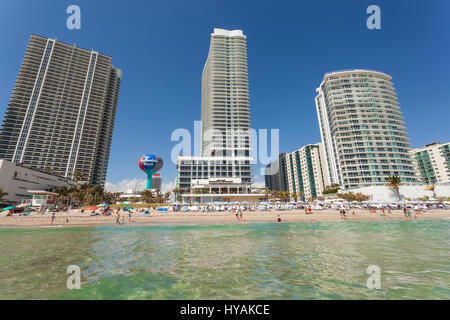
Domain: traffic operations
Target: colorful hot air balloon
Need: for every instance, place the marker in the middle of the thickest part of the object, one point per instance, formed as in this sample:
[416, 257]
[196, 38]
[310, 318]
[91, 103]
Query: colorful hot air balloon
[149, 163]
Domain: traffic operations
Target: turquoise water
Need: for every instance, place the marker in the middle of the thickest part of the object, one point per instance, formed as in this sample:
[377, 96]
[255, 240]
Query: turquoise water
[234, 261]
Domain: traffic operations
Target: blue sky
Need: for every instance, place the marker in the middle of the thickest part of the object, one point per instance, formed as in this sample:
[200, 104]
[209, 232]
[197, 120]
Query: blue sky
[161, 46]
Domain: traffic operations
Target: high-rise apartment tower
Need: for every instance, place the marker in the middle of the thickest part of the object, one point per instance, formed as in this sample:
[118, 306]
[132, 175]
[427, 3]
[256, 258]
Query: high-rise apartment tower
[362, 129]
[62, 109]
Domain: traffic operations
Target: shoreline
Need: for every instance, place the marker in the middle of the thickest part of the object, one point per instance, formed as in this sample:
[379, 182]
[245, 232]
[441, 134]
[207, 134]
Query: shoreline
[212, 218]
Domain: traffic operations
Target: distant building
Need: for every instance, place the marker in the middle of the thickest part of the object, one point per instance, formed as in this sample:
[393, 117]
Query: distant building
[306, 171]
[276, 174]
[362, 129]
[156, 181]
[62, 110]
[433, 163]
[18, 180]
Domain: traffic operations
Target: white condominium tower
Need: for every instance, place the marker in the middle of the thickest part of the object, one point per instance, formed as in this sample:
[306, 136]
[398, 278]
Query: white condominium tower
[362, 129]
[433, 163]
[223, 171]
[305, 171]
[225, 96]
[61, 113]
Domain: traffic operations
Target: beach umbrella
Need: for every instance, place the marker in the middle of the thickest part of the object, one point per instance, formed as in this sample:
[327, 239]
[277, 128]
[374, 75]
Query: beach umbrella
[92, 208]
[7, 208]
[128, 208]
[103, 205]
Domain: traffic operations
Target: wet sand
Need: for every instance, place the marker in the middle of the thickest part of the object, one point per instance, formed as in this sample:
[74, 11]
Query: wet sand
[75, 218]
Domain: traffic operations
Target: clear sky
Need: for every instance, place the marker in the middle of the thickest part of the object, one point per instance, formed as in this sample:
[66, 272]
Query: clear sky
[161, 46]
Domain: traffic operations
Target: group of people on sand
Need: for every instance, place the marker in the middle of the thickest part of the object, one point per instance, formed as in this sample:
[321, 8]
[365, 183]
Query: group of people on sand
[118, 216]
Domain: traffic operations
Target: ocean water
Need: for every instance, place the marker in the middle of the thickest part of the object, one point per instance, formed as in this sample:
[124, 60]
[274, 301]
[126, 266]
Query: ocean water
[322, 260]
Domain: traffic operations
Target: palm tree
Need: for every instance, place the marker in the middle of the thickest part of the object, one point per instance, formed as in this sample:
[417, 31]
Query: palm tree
[167, 196]
[77, 176]
[176, 193]
[2, 194]
[301, 195]
[284, 195]
[431, 188]
[159, 197]
[98, 193]
[294, 196]
[147, 196]
[394, 182]
[72, 193]
[63, 194]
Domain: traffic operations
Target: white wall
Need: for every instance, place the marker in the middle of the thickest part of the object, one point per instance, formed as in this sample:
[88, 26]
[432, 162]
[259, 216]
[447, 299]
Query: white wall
[382, 193]
[17, 180]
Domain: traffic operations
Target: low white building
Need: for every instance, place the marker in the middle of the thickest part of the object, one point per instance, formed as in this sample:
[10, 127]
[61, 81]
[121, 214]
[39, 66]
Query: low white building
[221, 190]
[17, 180]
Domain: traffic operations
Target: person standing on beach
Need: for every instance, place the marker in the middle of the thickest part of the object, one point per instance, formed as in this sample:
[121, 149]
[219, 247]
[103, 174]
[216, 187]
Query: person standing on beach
[306, 209]
[53, 217]
[236, 212]
[129, 216]
[118, 218]
[240, 214]
[279, 218]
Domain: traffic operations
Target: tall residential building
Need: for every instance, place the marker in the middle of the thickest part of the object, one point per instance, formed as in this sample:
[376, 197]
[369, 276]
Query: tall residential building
[156, 181]
[306, 171]
[62, 109]
[225, 96]
[362, 129]
[223, 170]
[433, 163]
[276, 174]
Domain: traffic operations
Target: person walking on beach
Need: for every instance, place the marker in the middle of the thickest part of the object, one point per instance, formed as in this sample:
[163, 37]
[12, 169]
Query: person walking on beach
[278, 219]
[118, 218]
[240, 214]
[53, 217]
[306, 209]
[236, 212]
[129, 216]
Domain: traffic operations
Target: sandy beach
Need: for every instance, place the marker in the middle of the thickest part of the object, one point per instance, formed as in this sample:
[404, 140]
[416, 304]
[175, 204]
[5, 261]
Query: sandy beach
[75, 218]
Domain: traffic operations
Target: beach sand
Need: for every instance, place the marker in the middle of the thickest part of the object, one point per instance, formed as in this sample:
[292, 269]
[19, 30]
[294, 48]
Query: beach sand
[192, 218]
